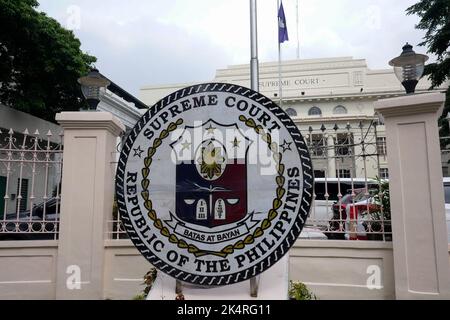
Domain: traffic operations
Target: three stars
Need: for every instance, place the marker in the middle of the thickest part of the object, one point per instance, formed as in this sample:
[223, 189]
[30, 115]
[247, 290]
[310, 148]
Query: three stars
[286, 146]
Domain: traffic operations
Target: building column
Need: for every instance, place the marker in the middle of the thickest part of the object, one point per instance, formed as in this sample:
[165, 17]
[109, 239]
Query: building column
[331, 157]
[417, 196]
[90, 140]
[360, 160]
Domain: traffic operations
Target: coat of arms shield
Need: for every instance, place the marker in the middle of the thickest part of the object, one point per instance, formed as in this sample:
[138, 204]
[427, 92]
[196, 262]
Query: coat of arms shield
[211, 176]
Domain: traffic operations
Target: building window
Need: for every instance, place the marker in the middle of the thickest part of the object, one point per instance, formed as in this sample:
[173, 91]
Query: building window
[358, 78]
[343, 173]
[381, 146]
[314, 111]
[317, 145]
[384, 173]
[343, 144]
[22, 194]
[291, 112]
[319, 173]
[340, 110]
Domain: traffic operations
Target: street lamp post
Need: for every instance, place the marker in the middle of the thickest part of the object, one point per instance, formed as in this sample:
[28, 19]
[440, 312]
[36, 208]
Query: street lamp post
[409, 67]
[90, 87]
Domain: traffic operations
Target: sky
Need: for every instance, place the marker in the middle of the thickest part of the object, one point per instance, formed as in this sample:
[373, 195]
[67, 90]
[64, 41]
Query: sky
[154, 42]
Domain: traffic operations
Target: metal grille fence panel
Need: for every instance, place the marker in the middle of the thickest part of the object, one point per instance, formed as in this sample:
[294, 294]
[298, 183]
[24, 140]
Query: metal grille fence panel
[30, 184]
[115, 229]
[351, 194]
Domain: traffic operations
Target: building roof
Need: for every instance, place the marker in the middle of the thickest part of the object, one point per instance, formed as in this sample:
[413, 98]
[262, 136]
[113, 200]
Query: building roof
[119, 91]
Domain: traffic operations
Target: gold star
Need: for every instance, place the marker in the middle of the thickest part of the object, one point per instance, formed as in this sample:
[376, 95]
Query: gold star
[211, 129]
[236, 143]
[185, 145]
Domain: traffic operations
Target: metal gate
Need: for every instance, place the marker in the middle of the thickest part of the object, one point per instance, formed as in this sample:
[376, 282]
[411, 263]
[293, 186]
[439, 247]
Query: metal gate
[351, 194]
[30, 185]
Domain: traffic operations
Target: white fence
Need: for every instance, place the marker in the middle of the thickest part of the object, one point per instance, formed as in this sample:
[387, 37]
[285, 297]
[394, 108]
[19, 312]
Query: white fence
[30, 185]
[351, 193]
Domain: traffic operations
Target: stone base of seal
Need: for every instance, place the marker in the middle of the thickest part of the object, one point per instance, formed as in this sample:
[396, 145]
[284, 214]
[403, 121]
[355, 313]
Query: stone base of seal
[273, 285]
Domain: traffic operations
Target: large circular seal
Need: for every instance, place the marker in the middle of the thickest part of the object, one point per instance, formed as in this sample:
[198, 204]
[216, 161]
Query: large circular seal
[214, 184]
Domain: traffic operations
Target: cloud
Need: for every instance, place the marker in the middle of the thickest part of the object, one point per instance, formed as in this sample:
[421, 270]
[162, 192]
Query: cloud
[139, 42]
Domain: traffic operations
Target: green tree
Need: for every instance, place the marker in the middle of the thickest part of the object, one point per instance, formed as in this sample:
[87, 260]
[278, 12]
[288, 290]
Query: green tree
[435, 20]
[40, 61]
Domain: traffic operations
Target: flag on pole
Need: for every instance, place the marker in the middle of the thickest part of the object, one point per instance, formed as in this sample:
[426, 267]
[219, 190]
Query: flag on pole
[282, 27]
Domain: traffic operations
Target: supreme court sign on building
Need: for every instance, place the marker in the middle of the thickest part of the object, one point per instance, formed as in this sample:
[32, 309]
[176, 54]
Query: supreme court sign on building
[323, 92]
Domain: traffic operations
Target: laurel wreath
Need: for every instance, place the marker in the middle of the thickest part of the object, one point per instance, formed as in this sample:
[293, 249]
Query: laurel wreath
[249, 239]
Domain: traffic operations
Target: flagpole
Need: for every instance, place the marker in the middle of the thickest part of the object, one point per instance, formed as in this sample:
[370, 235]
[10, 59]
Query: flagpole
[280, 89]
[298, 36]
[254, 80]
[254, 72]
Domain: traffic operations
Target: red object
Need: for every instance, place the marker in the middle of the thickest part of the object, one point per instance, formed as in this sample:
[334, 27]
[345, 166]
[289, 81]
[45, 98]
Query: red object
[354, 234]
[353, 225]
[353, 213]
[231, 185]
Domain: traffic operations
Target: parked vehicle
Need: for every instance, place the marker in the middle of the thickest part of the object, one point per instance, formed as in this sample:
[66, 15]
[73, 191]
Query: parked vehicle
[31, 225]
[357, 195]
[344, 214]
[322, 208]
[447, 205]
[312, 234]
[362, 222]
[357, 223]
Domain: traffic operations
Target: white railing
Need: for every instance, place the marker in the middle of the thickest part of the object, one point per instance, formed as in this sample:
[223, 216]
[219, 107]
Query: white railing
[351, 194]
[115, 229]
[30, 184]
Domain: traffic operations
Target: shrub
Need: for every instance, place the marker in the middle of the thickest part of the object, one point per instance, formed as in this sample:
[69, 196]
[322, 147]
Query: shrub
[149, 279]
[299, 291]
[380, 220]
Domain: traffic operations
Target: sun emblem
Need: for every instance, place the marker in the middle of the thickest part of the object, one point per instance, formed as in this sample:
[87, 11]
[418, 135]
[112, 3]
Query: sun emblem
[211, 160]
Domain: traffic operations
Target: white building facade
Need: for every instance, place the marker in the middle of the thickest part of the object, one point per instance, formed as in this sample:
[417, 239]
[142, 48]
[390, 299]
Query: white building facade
[331, 100]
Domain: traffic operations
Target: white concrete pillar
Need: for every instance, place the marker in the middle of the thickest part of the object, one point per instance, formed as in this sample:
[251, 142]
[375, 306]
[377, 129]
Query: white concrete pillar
[331, 156]
[417, 196]
[87, 199]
